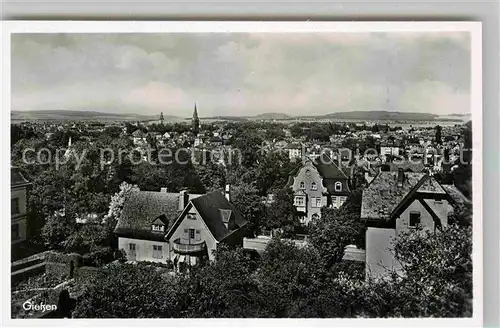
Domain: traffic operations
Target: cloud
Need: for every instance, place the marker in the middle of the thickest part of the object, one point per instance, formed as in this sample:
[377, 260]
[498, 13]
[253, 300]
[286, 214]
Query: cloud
[157, 95]
[242, 74]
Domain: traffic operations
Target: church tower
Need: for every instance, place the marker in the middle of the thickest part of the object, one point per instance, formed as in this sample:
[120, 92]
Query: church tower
[196, 121]
[161, 118]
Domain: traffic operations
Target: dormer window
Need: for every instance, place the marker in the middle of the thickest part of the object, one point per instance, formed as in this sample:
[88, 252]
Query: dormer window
[225, 216]
[314, 186]
[338, 186]
[302, 185]
[158, 227]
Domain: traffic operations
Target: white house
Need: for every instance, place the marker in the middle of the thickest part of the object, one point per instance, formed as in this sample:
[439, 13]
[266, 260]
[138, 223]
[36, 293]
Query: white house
[398, 201]
[162, 226]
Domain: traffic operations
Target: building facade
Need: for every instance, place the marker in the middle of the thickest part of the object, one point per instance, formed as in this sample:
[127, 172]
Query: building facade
[318, 183]
[398, 201]
[19, 190]
[177, 227]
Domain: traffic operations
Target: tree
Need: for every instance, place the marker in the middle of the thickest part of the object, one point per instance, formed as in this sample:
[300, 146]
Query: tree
[129, 291]
[58, 229]
[438, 280]
[246, 199]
[212, 176]
[281, 276]
[113, 131]
[222, 288]
[249, 144]
[272, 172]
[293, 283]
[118, 200]
[282, 214]
[152, 177]
[337, 228]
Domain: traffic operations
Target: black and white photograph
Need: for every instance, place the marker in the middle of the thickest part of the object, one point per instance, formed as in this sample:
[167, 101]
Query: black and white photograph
[245, 170]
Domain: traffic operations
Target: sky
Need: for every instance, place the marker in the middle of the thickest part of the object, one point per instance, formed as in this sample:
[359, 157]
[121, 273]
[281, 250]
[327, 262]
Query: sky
[242, 73]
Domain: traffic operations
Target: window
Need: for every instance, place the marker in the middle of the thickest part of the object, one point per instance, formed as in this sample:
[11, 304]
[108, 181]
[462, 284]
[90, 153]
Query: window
[334, 202]
[338, 186]
[158, 227]
[191, 216]
[314, 186]
[299, 201]
[132, 248]
[198, 234]
[14, 231]
[414, 219]
[157, 251]
[317, 202]
[191, 233]
[14, 206]
[302, 185]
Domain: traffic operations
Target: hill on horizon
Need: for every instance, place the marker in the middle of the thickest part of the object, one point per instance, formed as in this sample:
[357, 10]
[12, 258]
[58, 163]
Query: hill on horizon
[382, 115]
[82, 115]
[89, 115]
[271, 116]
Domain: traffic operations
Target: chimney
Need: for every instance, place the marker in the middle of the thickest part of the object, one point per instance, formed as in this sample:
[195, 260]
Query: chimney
[227, 193]
[164, 189]
[401, 177]
[183, 199]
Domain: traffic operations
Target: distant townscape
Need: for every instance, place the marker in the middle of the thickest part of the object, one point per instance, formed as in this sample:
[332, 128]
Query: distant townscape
[356, 214]
[69, 115]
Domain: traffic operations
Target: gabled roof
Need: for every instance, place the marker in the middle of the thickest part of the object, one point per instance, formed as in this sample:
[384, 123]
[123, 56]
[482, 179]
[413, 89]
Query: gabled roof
[213, 209]
[17, 179]
[141, 209]
[383, 195]
[331, 174]
[327, 168]
[138, 133]
[431, 186]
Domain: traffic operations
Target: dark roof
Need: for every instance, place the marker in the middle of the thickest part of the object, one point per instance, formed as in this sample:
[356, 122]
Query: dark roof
[327, 168]
[213, 208]
[331, 173]
[383, 194]
[455, 194]
[141, 208]
[17, 179]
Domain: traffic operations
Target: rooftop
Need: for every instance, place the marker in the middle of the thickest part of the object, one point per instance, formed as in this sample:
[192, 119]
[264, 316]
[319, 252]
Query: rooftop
[16, 178]
[215, 209]
[142, 208]
[383, 194]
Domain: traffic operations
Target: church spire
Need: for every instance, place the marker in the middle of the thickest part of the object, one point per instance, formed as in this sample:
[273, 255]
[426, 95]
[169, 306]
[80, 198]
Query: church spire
[196, 121]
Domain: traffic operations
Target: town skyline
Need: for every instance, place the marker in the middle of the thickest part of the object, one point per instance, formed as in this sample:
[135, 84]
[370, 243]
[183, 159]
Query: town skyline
[242, 74]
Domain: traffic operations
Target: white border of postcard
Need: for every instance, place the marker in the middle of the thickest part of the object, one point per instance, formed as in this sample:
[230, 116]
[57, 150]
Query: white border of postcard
[475, 29]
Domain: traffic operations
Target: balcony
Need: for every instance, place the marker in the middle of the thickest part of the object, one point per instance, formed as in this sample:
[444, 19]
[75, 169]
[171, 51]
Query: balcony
[191, 248]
